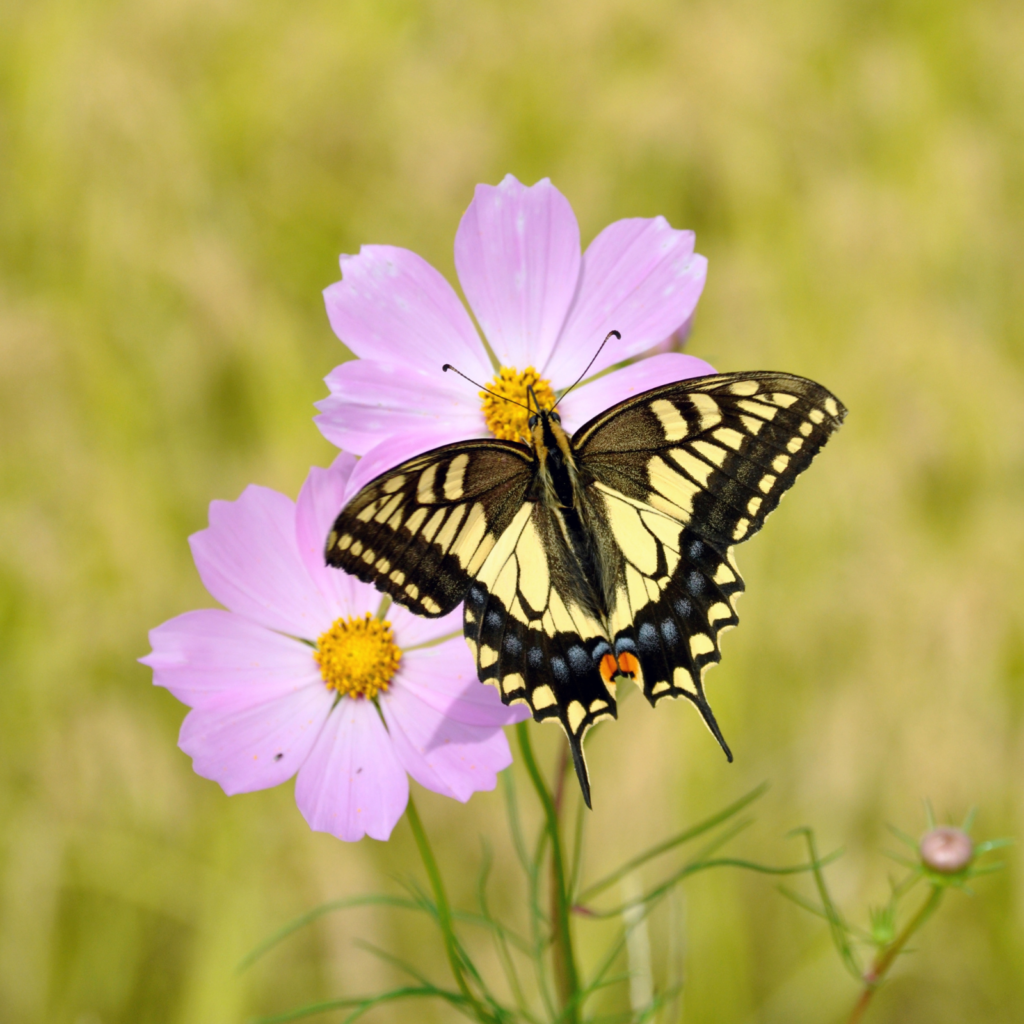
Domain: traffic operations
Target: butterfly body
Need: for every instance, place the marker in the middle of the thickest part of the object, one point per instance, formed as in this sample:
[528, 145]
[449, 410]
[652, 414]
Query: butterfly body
[601, 555]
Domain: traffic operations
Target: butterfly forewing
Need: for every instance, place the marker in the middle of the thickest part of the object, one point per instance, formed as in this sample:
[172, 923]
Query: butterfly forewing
[421, 531]
[718, 452]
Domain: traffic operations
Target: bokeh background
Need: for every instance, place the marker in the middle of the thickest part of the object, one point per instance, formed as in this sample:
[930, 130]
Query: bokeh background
[177, 178]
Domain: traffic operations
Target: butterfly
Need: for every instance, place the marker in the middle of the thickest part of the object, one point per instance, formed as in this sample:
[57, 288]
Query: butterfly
[608, 553]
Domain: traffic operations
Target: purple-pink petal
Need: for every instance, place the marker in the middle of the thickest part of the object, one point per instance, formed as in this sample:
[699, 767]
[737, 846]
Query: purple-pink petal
[249, 560]
[639, 277]
[440, 753]
[595, 396]
[371, 399]
[517, 254]
[247, 743]
[207, 657]
[411, 630]
[393, 306]
[444, 678]
[352, 783]
[320, 500]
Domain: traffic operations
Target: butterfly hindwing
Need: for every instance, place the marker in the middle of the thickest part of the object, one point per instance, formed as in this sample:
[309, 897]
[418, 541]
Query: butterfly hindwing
[674, 593]
[532, 626]
[716, 452]
[421, 531]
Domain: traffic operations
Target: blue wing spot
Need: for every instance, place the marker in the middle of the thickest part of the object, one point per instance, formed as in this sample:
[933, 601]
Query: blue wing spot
[559, 670]
[696, 549]
[648, 637]
[535, 657]
[601, 648]
[625, 643]
[477, 594]
[494, 619]
[513, 645]
[683, 608]
[670, 632]
[579, 660]
[695, 582]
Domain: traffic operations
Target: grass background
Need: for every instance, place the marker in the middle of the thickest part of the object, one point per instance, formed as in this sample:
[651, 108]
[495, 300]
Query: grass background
[177, 178]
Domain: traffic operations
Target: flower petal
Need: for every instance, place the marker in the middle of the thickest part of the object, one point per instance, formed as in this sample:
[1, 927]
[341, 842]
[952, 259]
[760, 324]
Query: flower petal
[517, 254]
[213, 658]
[411, 630]
[247, 743]
[594, 397]
[440, 753]
[392, 305]
[320, 500]
[444, 678]
[372, 400]
[352, 783]
[249, 560]
[639, 277]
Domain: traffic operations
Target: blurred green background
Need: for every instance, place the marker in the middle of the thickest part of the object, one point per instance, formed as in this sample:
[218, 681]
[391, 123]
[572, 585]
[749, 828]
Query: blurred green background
[177, 178]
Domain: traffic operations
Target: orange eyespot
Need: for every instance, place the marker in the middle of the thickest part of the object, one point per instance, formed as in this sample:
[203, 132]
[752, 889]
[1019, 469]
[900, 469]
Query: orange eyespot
[628, 664]
[608, 668]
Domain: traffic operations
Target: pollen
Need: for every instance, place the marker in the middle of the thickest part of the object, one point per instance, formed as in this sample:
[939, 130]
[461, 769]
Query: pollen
[358, 657]
[505, 420]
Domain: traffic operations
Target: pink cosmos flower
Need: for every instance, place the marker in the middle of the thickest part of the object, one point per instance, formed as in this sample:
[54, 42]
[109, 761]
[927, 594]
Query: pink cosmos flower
[299, 676]
[543, 307]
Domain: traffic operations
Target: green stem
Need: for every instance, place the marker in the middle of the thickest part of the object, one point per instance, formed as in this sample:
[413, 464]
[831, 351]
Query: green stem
[444, 910]
[875, 974]
[566, 976]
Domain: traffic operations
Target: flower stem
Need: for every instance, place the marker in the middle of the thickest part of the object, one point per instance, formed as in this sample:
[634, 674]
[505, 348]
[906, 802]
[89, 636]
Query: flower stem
[566, 976]
[444, 910]
[875, 974]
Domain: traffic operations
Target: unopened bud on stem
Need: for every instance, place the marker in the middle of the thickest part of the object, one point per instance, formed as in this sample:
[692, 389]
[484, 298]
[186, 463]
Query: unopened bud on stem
[947, 850]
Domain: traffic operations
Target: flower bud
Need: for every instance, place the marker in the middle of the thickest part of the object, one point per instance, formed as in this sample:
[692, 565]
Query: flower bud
[947, 850]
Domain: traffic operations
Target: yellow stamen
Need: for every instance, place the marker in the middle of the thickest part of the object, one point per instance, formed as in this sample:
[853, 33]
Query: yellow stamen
[358, 657]
[505, 420]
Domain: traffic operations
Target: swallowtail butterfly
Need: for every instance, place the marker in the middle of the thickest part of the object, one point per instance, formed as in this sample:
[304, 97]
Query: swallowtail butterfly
[601, 555]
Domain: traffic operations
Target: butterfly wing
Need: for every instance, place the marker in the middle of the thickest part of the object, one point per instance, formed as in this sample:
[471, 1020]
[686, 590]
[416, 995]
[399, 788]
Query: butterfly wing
[421, 531]
[532, 622]
[677, 476]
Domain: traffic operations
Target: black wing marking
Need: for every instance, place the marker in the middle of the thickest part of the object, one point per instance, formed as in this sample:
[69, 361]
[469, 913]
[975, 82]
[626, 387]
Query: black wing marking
[714, 452]
[531, 623]
[674, 594]
[422, 531]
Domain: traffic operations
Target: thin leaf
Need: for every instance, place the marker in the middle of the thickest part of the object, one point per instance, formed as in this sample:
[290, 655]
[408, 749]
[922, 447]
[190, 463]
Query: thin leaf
[364, 1003]
[317, 912]
[670, 844]
[837, 926]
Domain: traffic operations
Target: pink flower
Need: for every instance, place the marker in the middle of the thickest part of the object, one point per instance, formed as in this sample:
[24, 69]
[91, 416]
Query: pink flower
[298, 676]
[543, 308]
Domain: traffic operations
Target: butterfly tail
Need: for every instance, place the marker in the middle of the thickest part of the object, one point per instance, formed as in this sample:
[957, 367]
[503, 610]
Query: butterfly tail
[579, 763]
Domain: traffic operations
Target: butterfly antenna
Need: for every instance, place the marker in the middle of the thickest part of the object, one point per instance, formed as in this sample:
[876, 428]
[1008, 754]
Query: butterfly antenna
[504, 398]
[588, 366]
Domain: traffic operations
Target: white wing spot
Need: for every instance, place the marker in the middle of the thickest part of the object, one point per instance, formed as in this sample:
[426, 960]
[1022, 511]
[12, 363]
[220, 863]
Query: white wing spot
[542, 697]
[766, 482]
[795, 444]
[701, 643]
[576, 712]
[779, 463]
[454, 477]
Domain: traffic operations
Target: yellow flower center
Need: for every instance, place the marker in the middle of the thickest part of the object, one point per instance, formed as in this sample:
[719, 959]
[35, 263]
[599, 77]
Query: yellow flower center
[505, 420]
[358, 657]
